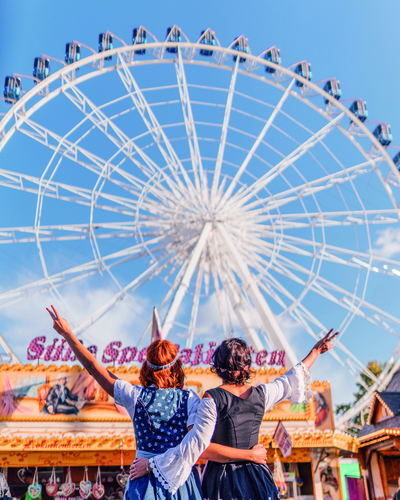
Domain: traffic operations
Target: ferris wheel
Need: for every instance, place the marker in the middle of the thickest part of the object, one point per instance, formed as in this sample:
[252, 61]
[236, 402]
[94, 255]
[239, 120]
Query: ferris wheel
[223, 177]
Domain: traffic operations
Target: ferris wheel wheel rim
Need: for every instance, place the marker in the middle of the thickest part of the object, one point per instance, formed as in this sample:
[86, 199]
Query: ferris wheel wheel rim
[194, 46]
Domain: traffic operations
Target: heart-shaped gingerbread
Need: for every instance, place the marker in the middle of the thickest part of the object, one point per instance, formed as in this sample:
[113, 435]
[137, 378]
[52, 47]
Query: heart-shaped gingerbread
[122, 479]
[67, 489]
[98, 491]
[34, 490]
[21, 475]
[85, 488]
[51, 489]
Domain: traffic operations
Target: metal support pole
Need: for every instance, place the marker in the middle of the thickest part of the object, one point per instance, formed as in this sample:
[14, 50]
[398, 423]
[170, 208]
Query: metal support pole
[268, 319]
[184, 285]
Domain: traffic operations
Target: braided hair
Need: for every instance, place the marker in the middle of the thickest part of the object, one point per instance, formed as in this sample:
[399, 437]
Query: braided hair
[231, 361]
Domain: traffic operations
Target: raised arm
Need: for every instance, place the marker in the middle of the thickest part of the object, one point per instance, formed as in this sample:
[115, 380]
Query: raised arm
[320, 347]
[295, 385]
[104, 378]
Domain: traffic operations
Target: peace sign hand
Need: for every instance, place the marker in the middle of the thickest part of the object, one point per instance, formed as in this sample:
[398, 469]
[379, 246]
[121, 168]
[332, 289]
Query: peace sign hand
[326, 343]
[60, 324]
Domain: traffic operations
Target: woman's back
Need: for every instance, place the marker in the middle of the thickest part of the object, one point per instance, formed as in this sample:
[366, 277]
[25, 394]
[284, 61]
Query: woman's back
[238, 420]
[160, 418]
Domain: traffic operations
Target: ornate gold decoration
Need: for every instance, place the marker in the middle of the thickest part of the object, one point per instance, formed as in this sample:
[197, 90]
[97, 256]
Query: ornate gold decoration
[65, 443]
[316, 439]
[381, 432]
[373, 403]
[316, 383]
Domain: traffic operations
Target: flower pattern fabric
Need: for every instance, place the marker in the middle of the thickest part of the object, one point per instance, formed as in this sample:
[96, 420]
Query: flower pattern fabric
[160, 419]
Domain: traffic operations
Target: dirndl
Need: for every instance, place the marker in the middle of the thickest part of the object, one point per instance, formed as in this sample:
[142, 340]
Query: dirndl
[149, 488]
[238, 481]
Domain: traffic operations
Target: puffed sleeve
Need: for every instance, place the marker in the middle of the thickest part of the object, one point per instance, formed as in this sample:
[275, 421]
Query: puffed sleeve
[173, 467]
[126, 395]
[294, 386]
[193, 403]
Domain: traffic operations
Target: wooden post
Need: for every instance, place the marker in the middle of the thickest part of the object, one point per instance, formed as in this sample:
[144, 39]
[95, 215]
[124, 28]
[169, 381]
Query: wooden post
[317, 478]
[382, 470]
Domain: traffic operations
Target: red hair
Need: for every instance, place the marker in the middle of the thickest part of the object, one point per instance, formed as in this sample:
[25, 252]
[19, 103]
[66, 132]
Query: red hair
[159, 353]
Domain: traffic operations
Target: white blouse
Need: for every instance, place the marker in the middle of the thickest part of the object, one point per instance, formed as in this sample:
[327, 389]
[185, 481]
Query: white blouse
[173, 467]
[126, 395]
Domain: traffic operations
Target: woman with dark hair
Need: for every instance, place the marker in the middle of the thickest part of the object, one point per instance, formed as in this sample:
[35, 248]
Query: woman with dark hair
[233, 412]
[160, 409]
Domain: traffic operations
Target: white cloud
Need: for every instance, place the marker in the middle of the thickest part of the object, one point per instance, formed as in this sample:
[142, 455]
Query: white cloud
[388, 242]
[26, 320]
[289, 326]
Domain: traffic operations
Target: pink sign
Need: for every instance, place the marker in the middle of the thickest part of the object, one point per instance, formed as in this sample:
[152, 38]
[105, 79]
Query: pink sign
[115, 352]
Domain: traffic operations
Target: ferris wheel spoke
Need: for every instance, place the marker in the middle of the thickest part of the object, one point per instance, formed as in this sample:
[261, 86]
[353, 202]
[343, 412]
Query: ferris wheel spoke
[82, 196]
[185, 282]
[256, 143]
[237, 302]
[151, 122]
[224, 132]
[336, 179]
[354, 366]
[82, 271]
[196, 302]
[329, 252]
[261, 305]
[100, 312]
[68, 232]
[75, 152]
[261, 183]
[120, 140]
[326, 219]
[197, 165]
[99, 166]
[214, 264]
[346, 300]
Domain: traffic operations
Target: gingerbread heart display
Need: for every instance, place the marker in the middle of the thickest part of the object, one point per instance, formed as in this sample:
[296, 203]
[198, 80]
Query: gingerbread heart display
[51, 489]
[85, 488]
[98, 491]
[122, 479]
[67, 489]
[120, 493]
[21, 475]
[34, 490]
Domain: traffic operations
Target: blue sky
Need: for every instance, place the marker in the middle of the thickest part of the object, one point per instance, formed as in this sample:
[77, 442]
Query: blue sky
[355, 42]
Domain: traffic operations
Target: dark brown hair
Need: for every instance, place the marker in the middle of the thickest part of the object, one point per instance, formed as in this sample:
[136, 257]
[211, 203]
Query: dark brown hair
[159, 353]
[232, 361]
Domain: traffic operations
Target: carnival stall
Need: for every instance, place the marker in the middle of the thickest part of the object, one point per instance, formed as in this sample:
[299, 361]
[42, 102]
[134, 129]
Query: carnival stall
[56, 421]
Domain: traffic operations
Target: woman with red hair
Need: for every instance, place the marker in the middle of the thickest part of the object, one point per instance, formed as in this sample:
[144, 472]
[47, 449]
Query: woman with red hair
[161, 412]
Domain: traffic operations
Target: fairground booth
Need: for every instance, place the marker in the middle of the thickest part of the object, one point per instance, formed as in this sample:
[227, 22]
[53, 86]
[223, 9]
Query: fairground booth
[58, 422]
[379, 443]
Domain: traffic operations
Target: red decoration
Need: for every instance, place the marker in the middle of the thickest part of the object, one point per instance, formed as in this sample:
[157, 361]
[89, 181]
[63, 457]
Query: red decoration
[261, 358]
[210, 352]
[114, 350]
[281, 358]
[59, 350]
[50, 349]
[273, 357]
[36, 348]
[111, 352]
[198, 355]
[142, 355]
[185, 356]
[124, 356]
